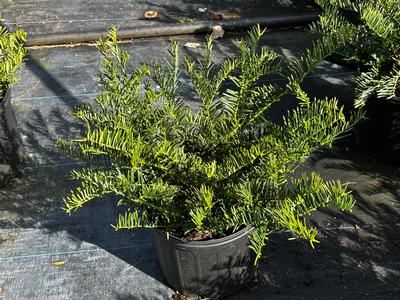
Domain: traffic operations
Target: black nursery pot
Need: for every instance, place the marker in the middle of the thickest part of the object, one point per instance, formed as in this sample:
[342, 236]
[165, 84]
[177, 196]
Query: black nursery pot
[379, 134]
[213, 268]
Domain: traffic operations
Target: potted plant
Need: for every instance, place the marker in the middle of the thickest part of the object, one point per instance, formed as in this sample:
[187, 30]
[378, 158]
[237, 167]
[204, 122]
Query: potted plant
[215, 180]
[11, 54]
[374, 45]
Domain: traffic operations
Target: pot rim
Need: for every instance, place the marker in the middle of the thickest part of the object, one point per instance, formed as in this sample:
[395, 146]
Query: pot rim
[212, 242]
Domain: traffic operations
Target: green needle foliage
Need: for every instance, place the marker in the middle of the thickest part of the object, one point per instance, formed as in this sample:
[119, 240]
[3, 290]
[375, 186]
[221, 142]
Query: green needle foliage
[220, 167]
[11, 54]
[374, 42]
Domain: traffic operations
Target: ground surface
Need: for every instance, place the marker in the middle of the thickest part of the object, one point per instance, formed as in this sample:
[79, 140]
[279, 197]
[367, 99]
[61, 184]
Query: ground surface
[45, 254]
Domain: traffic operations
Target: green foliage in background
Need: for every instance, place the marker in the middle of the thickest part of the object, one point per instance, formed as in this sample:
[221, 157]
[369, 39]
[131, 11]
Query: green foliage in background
[374, 42]
[219, 167]
[11, 54]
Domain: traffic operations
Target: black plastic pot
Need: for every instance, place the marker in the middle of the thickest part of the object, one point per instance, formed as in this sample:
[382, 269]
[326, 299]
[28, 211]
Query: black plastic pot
[12, 151]
[214, 268]
[379, 134]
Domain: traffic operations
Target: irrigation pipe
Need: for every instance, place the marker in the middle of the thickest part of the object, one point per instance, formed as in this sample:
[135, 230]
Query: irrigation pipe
[172, 29]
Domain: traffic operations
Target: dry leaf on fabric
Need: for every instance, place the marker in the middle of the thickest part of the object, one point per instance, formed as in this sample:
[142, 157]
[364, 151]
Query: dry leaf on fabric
[150, 14]
[217, 32]
[224, 16]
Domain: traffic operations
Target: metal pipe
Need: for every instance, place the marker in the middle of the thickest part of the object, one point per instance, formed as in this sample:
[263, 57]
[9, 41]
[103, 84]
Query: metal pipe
[172, 29]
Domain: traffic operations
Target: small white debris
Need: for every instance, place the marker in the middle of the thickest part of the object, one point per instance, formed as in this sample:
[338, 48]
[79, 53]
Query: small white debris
[192, 45]
[202, 9]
